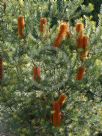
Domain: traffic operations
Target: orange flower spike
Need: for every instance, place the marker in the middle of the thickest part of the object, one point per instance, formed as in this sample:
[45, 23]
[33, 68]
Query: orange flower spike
[1, 69]
[56, 119]
[58, 41]
[21, 22]
[80, 73]
[21, 25]
[43, 23]
[64, 28]
[36, 73]
[79, 27]
[56, 106]
[62, 99]
[85, 42]
[80, 41]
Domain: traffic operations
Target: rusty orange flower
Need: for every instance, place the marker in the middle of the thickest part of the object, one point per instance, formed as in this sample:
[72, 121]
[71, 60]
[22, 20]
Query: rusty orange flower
[85, 42]
[43, 23]
[79, 27]
[56, 106]
[80, 41]
[62, 99]
[80, 73]
[56, 119]
[21, 25]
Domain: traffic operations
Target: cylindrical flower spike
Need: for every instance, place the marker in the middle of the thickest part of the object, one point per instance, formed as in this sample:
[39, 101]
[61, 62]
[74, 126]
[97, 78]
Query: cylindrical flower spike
[80, 41]
[56, 119]
[79, 27]
[21, 25]
[64, 28]
[1, 68]
[36, 73]
[62, 99]
[85, 41]
[58, 41]
[43, 23]
[56, 114]
[80, 73]
[56, 106]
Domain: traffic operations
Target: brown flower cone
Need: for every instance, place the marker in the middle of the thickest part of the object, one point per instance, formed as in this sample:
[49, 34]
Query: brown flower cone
[43, 23]
[79, 27]
[56, 119]
[21, 25]
[36, 73]
[64, 28]
[80, 73]
[62, 99]
[85, 42]
[58, 41]
[80, 41]
[21, 22]
[56, 106]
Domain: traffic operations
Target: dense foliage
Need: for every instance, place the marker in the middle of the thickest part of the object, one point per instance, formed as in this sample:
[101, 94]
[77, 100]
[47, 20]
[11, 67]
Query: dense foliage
[27, 102]
[96, 4]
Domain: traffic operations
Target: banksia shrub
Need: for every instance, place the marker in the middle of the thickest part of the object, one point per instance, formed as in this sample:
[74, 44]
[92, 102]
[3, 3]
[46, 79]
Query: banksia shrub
[28, 92]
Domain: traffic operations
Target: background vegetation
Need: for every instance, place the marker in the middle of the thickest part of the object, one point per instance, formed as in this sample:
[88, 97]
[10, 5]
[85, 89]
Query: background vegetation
[26, 109]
